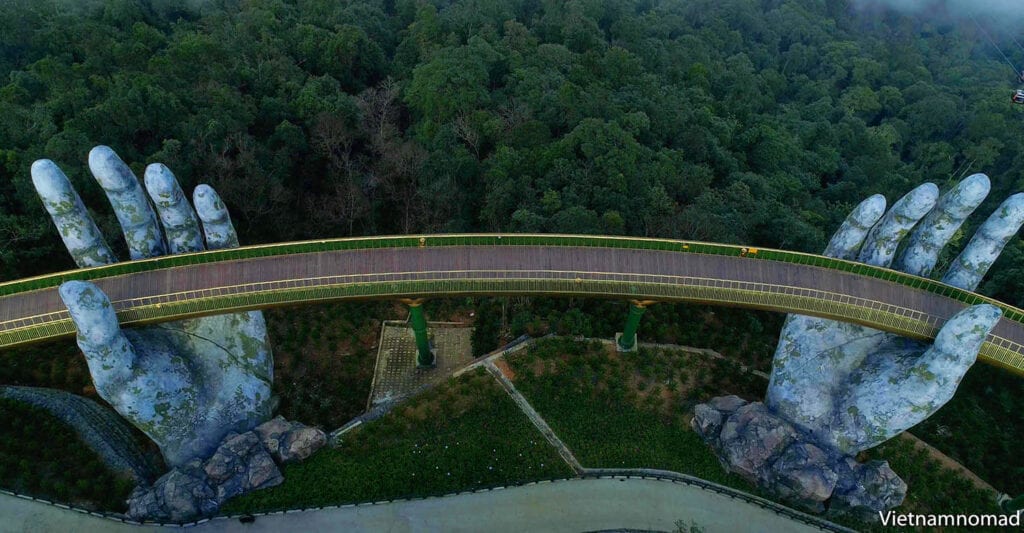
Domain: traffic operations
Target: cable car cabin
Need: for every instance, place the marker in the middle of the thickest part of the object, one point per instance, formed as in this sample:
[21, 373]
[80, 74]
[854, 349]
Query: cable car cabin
[1018, 97]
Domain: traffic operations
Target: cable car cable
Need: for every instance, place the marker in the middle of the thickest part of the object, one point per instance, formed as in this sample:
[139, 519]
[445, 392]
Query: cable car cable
[1016, 72]
[1014, 39]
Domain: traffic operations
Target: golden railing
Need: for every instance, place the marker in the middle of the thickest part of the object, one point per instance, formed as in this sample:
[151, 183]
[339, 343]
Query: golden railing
[214, 300]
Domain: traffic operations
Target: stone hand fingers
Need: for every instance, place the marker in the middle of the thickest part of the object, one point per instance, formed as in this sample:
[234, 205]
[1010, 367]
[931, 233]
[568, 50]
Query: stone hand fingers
[984, 248]
[220, 233]
[883, 239]
[803, 350]
[935, 230]
[178, 229]
[81, 237]
[847, 240]
[109, 353]
[138, 222]
[897, 388]
[176, 215]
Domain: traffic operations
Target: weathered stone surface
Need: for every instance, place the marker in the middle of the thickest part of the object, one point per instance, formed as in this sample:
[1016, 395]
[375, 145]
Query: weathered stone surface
[769, 451]
[706, 420]
[844, 388]
[923, 247]
[727, 404]
[804, 474]
[270, 433]
[185, 384]
[871, 488]
[241, 464]
[751, 440]
[178, 496]
[290, 441]
[987, 243]
[301, 443]
[851, 387]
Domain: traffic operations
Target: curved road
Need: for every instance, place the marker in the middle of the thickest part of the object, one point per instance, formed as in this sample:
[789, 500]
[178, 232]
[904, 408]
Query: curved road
[217, 286]
[571, 506]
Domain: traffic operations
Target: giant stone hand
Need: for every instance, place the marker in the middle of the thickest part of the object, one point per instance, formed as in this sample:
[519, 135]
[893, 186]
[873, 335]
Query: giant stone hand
[837, 389]
[186, 384]
[853, 387]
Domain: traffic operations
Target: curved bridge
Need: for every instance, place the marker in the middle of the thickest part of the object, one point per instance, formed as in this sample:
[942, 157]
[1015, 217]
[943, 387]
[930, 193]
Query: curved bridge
[253, 277]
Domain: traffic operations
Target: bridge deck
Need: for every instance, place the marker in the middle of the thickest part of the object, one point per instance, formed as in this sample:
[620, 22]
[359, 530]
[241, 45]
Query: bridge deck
[255, 282]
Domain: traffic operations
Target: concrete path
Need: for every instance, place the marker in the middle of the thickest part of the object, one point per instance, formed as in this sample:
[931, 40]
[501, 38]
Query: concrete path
[537, 420]
[571, 506]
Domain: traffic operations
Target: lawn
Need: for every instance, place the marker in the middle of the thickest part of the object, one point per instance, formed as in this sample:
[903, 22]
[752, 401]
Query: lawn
[632, 411]
[463, 435]
[323, 359]
[41, 456]
[627, 410]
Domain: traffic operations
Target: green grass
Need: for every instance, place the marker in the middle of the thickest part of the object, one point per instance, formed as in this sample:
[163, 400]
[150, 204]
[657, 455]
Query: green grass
[464, 435]
[932, 488]
[323, 359]
[585, 396]
[42, 457]
[600, 404]
[982, 427]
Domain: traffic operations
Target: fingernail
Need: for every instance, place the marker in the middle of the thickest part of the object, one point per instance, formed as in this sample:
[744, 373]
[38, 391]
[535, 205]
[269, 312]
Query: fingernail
[869, 211]
[91, 311]
[208, 204]
[162, 186]
[53, 186]
[109, 170]
[973, 189]
[918, 201]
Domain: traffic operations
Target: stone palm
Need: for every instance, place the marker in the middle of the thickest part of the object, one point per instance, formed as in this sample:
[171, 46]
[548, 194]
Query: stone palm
[854, 387]
[186, 384]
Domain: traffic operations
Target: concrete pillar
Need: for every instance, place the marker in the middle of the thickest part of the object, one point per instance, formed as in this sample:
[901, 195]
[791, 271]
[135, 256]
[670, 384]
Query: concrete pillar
[626, 341]
[425, 354]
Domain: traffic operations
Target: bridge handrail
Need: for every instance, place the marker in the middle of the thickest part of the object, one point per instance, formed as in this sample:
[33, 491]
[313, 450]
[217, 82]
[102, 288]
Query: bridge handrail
[482, 239]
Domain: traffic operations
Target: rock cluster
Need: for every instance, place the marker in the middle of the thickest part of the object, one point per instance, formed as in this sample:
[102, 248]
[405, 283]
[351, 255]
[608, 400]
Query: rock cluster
[768, 451]
[242, 463]
[290, 441]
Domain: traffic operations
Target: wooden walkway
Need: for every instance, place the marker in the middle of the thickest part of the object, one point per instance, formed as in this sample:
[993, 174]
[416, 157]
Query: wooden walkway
[451, 271]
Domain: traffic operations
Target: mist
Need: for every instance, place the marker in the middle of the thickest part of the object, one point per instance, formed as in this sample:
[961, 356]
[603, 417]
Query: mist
[1001, 10]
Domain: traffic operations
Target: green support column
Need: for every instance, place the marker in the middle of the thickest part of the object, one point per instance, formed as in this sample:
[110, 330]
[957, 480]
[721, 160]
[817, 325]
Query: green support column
[425, 355]
[627, 339]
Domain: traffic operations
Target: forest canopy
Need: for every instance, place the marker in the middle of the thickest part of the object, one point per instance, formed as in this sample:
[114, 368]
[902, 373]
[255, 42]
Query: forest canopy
[744, 121]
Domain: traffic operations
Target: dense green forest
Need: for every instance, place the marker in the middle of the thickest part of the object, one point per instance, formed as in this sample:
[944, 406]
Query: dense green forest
[753, 121]
[760, 122]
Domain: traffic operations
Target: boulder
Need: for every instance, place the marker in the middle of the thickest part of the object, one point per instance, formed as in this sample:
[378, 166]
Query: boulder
[270, 433]
[707, 422]
[751, 439]
[727, 404]
[875, 488]
[290, 441]
[181, 495]
[301, 443]
[241, 464]
[769, 451]
[804, 474]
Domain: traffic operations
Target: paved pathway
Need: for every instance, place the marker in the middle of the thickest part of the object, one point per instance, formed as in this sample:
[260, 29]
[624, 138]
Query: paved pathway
[537, 420]
[570, 506]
